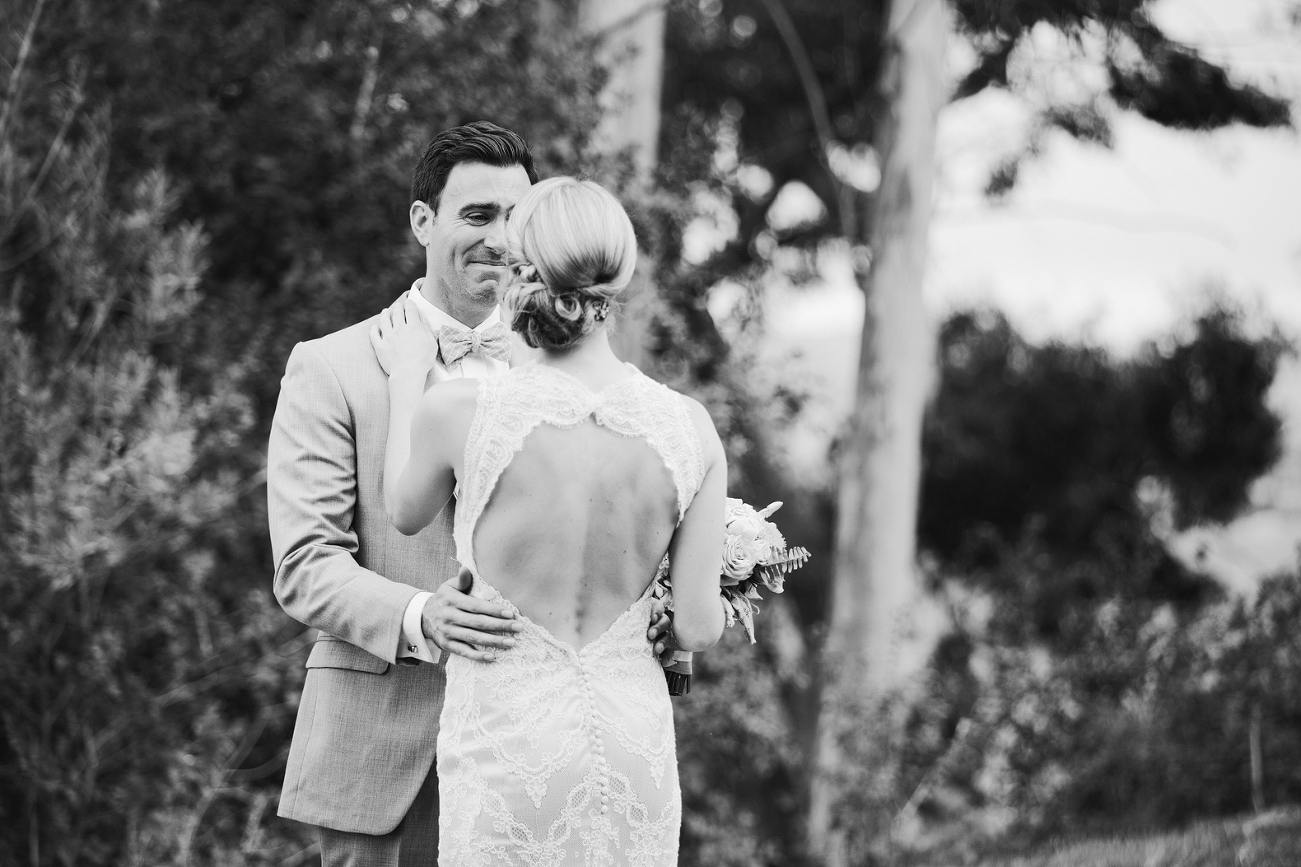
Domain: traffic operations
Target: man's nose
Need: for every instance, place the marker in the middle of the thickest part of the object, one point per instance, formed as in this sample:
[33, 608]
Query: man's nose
[495, 240]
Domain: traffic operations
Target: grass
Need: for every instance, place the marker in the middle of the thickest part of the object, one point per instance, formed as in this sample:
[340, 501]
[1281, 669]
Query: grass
[1272, 839]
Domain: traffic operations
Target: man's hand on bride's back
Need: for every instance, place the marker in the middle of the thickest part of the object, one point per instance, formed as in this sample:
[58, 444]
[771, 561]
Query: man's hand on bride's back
[403, 342]
[466, 625]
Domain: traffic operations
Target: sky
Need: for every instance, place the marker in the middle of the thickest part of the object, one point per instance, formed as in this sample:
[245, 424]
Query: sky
[1115, 246]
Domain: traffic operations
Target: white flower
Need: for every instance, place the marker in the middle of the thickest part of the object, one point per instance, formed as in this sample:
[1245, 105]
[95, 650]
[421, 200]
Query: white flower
[739, 559]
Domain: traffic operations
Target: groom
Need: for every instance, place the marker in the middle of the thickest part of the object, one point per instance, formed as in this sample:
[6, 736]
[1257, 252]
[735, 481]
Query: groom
[361, 764]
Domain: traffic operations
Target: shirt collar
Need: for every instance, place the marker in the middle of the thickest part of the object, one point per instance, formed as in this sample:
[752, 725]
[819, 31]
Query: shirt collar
[437, 318]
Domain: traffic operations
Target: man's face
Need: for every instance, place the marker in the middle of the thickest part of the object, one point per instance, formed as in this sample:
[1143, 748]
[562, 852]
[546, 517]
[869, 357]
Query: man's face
[465, 240]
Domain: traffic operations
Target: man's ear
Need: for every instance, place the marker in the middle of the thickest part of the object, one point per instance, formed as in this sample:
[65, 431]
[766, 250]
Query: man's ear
[422, 217]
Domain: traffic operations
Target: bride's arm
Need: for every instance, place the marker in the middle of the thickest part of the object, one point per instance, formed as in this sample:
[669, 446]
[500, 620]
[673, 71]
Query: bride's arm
[423, 435]
[696, 552]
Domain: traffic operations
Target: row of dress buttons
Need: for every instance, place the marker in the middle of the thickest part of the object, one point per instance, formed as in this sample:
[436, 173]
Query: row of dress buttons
[605, 780]
[598, 747]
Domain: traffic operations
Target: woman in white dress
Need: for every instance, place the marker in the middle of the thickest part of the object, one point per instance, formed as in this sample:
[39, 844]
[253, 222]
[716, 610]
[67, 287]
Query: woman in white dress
[574, 475]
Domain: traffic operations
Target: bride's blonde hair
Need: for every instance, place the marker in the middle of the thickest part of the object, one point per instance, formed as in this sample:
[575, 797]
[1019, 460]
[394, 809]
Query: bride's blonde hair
[573, 250]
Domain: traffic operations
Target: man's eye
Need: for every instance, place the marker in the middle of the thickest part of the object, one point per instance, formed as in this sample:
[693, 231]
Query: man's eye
[477, 218]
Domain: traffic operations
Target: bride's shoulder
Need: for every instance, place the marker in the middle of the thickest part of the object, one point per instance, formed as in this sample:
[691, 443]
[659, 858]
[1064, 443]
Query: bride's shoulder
[710, 442]
[701, 418]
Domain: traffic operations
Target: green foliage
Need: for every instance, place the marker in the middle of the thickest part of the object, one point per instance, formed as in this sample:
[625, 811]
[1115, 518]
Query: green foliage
[739, 761]
[1209, 844]
[1052, 473]
[140, 667]
[1093, 681]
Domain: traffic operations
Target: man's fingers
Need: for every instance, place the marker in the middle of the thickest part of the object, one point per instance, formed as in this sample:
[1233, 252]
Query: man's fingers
[462, 649]
[488, 622]
[460, 602]
[479, 639]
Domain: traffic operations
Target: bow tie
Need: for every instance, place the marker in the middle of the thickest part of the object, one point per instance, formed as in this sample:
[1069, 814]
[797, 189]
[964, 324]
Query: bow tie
[455, 343]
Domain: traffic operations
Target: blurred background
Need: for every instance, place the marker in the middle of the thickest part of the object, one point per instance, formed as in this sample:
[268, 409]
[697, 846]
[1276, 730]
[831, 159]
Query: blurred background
[999, 297]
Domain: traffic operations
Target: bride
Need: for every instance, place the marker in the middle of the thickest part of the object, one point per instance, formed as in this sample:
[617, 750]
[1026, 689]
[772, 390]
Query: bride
[574, 474]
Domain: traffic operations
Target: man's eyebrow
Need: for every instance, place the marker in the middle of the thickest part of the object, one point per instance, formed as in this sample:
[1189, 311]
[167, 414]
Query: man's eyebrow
[479, 206]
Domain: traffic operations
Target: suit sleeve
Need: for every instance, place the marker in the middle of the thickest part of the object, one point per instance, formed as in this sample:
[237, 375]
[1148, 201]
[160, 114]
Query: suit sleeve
[311, 499]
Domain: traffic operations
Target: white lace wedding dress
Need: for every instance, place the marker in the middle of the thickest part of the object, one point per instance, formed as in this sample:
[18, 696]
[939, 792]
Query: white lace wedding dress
[550, 755]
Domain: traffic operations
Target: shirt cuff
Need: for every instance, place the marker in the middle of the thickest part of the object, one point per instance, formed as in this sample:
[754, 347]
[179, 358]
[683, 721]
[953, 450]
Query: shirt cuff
[414, 645]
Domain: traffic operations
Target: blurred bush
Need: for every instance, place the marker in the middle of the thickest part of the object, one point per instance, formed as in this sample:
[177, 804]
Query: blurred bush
[141, 677]
[1094, 681]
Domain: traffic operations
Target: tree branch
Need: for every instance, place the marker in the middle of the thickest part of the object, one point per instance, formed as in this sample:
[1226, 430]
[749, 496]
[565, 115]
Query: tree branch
[630, 19]
[817, 103]
[15, 77]
[365, 95]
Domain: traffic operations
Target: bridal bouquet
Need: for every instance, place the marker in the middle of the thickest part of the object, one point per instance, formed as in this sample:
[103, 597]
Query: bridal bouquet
[754, 555]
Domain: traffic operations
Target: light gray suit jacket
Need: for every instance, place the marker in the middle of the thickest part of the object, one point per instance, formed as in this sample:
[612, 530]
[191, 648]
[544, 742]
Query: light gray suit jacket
[366, 730]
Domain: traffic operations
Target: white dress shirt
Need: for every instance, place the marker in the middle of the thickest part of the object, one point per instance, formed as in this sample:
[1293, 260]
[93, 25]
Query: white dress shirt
[475, 365]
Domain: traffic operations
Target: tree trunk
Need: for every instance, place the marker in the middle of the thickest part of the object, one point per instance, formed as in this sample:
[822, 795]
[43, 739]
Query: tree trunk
[1257, 768]
[632, 45]
[865, 661]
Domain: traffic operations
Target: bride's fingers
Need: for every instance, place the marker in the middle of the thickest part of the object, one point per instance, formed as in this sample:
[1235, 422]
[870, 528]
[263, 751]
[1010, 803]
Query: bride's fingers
[658, 626]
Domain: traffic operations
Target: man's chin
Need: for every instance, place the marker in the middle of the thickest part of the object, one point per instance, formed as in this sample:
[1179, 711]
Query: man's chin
[486, 288]
[485, 279]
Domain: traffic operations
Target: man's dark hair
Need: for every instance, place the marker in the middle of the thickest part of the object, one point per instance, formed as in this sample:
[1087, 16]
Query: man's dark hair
[477, 142]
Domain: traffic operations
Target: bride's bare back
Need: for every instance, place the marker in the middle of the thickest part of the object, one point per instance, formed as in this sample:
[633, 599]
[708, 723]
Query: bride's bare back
[570, 496]
[576, 527]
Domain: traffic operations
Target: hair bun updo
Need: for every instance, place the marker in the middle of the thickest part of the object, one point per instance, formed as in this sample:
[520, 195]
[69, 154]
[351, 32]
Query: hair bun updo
[573, 250]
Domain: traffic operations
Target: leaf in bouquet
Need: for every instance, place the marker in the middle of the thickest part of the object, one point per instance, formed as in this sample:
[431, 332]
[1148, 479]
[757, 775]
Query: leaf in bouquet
[751, 590]
[773, 579]
[773, 574]
[769, 509]
[745, 613]
[729, 610]
[662, 589]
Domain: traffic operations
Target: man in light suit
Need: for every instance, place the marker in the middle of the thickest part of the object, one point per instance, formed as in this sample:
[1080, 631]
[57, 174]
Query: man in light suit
[361, 764]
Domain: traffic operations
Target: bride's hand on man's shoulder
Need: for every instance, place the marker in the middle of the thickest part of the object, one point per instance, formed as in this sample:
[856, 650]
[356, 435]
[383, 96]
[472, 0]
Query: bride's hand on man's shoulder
[403, 343]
